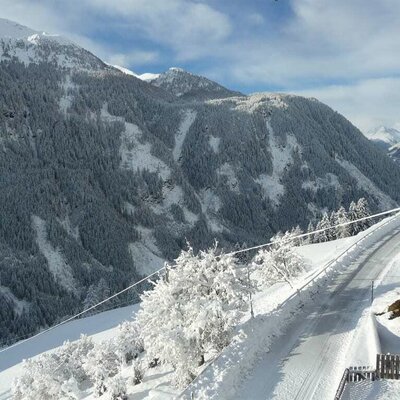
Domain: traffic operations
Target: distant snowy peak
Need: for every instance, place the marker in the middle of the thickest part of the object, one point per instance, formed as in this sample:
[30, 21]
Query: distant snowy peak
[189, 86]
[30, 46]
[385, 136]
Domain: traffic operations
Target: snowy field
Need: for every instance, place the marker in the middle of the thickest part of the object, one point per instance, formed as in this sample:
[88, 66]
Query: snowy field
[253, 338]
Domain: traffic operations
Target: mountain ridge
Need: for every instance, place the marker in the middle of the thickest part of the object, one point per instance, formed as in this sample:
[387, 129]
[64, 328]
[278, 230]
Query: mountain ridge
[105, 176]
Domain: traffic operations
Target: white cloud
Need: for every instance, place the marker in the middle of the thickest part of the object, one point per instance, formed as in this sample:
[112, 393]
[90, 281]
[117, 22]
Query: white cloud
[353, 43]
[189, 28]
[368, 103]
[136, 58]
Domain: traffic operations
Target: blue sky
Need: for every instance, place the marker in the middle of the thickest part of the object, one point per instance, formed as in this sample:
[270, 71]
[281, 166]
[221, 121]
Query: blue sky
[344, 52]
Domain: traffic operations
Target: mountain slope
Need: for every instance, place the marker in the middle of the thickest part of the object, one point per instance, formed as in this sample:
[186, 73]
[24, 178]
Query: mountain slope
[394, 152]
[105, 176]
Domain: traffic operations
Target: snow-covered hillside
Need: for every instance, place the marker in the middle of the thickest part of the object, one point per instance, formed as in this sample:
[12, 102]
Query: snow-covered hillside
[255, 337]
[122, 172]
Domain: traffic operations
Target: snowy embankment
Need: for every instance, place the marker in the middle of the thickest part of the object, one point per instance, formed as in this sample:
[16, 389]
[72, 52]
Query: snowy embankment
[254, 336]
[387, 332]
[223, 376]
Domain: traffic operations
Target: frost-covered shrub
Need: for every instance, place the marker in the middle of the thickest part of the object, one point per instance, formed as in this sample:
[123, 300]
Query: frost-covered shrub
[54, 375]
[139, 369]
[115, 388]
[193, 310]
[279, 262]
[60, 374]
[101, 363]
[128, 343]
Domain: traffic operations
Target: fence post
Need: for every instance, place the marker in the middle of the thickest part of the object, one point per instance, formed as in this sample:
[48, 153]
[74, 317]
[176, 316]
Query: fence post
[378, 365]
[372, 291]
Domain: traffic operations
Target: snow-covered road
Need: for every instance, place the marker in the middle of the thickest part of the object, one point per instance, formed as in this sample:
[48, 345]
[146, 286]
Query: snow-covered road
[307, 362]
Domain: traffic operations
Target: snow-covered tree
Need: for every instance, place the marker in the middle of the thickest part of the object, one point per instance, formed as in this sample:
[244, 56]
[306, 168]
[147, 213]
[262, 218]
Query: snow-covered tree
[362, 211]
[60, 374]
[128, 343]
[194, 311]
[279, 262]
[116, 388]
[100, 364]
[297, 231]
[54, 375]
[352, 215]
[340, 217]
[310, 238]
[325, 224]
[356, 211]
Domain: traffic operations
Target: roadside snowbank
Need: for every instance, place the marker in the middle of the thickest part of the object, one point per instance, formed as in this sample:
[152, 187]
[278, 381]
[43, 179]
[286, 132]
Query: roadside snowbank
[221, 378]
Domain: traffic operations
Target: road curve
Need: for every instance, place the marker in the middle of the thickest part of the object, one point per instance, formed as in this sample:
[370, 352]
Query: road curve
[307, 362]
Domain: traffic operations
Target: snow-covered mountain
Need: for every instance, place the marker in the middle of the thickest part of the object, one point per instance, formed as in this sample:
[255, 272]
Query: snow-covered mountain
[30, 46]
[104, 175]
[185, 85]
[384, 136]
[387, 139]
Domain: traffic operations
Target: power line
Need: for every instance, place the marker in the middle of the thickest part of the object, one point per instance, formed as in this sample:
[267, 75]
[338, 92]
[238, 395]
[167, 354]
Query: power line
[161, 269]
[83, 312]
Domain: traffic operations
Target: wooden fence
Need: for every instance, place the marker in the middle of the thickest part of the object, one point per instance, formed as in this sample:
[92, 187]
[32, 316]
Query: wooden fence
[388, 366]
[342, 385]
[357, 374]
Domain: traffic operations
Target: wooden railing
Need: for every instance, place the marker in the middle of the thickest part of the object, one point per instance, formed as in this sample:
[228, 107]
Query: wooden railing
[388, 366]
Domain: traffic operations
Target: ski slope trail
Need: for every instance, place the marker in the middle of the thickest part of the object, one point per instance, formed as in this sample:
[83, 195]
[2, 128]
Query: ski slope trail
[308, 361]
